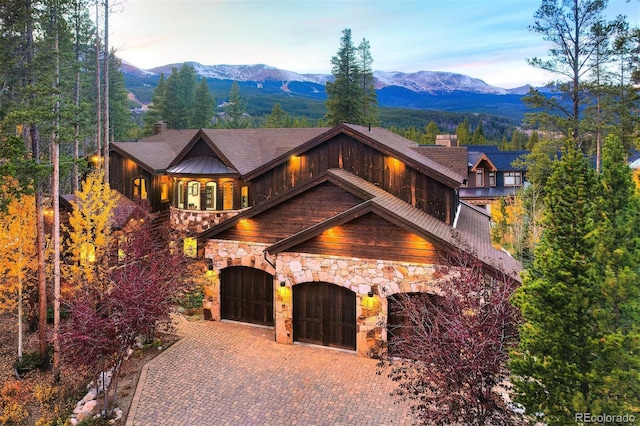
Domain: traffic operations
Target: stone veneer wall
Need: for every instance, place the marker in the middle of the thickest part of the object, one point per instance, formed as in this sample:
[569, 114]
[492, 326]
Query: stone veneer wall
[196, 221]
[382, 277]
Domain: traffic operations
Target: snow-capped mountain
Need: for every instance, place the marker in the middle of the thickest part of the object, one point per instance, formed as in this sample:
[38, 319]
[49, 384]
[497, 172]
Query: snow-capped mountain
[432, 82]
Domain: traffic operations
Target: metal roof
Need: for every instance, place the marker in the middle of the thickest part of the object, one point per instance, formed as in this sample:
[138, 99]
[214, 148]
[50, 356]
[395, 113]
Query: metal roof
[202, 165]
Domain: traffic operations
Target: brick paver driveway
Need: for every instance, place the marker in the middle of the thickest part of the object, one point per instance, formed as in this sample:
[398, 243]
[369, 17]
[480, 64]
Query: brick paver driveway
[235, 374]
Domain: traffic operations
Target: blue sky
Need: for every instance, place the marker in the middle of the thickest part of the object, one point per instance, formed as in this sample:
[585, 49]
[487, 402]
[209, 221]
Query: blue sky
[486, 39]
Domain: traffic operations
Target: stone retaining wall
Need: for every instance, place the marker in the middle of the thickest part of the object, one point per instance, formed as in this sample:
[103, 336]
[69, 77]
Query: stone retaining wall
[382, 277]
[196, 221]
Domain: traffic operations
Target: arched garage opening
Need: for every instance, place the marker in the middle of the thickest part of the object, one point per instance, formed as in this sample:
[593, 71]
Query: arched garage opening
[324, 314]
[246, 295]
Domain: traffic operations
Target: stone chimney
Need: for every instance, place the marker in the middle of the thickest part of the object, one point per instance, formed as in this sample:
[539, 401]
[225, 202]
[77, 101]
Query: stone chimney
[159, 127]
[447, 140]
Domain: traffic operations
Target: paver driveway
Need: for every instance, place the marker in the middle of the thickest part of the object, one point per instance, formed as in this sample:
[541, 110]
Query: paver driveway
[235, 374]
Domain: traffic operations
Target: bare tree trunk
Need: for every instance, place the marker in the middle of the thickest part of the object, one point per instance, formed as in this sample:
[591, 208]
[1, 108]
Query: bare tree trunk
[106, 92]
[76, 102]
[98, 88]
[55, 194]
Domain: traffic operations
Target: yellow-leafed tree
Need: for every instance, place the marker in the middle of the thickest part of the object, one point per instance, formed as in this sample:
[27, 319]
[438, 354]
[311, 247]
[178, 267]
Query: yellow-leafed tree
[18, 266]
[89, 233]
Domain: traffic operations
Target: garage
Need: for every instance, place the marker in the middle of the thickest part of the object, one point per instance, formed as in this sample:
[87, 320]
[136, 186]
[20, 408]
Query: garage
[324, 314]
[246, 295]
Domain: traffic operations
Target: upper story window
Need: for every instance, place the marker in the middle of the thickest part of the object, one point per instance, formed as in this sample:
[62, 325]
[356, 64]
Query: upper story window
[140, 188]
[210, 195]
[227, 196]
[479, 177]
[512, 178]
[244, 199]
[492, 178]
[193, 195]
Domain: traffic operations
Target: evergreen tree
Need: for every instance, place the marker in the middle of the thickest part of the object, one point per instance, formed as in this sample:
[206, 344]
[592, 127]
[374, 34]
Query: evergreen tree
[178, 97]
[344, 94]
[568, 26]
[478, 135]
[203, 105]
[235, 109]
[431, 131]
[556, 361]
[463, 133]
[370, 112]
[616, 385]
[278, 118]
[157, 108]
[119, 112]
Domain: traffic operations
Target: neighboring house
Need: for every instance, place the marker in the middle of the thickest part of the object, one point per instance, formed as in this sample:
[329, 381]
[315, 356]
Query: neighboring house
[492, 175]
[310, 231]
[490, 172]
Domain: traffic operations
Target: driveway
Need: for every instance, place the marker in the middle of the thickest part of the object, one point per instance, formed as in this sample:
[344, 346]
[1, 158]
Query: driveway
[235, 374]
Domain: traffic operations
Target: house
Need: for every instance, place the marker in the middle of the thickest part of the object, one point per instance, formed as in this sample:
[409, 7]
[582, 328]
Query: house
[490, 173]
[310, 231]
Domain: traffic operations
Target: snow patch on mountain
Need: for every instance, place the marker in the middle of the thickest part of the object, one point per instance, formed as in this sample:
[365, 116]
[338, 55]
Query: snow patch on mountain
[431, 82]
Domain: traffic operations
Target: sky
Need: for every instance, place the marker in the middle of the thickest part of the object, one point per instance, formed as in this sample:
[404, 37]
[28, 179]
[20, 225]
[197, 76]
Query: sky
[485, 39]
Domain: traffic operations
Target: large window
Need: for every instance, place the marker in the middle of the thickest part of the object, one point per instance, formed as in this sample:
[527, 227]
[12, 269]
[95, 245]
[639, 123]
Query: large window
[210, 195]
[244, 197]
[512, 178]
[140, 188]
[227, 196]
[180, 197]
[193, 195]
[492, 178]
[479, 177]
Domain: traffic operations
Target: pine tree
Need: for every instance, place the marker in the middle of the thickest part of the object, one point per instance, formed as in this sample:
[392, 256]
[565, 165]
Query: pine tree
[345, 94]
[431, 131]
[157, 108]
[370, 113]
[617, 383]
[463, 133]
[555, 362]
[203, 105]
[235, 109]
[478, 135]
[278, 118]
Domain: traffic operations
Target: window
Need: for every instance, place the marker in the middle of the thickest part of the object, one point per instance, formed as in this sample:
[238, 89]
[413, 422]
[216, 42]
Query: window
[244, 203]
[227, 196]
[180, 196]
[512, 178]
[164, 192]
[492, 178]
[140, 188]
[210, 195]
[193, 195]
[479, 177]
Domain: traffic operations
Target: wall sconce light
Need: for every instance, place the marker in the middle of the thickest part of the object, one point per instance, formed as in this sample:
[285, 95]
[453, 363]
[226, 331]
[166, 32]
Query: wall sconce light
[210, 264]
[368, 302]
[283, 284]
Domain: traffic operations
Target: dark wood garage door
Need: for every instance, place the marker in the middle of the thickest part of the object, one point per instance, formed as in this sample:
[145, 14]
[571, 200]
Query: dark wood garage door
[246, 295]
[324, 314]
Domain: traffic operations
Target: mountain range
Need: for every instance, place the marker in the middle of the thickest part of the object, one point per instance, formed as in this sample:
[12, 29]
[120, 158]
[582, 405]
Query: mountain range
[431, 90]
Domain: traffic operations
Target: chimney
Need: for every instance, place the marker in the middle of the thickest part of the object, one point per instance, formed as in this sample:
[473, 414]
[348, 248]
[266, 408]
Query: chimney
[159, 127]
[447, 140]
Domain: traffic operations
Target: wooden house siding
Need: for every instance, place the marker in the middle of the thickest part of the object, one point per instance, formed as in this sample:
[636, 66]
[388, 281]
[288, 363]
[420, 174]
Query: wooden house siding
[370, 237]
[346, 153]
[123, 171]
[309, 208]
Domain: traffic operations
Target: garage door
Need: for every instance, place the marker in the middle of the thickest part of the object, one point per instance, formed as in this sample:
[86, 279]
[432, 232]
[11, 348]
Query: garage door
[246, 295]
[324, 314]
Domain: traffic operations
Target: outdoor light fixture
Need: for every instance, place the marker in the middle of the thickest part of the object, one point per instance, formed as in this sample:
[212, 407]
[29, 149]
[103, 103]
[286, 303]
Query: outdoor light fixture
[370, 294]
[283, 284]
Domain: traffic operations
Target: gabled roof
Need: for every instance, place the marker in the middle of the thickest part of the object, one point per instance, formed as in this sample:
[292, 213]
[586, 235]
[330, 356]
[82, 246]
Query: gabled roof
[503, 160]
[471, 230]
[381, 139]
[156, 152]
[475, 158]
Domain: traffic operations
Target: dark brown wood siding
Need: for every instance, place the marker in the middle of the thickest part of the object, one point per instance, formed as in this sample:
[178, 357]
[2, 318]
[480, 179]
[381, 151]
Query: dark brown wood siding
[370, 237]
[123, 171]
[311, 207]
[362, 160]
